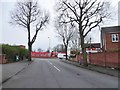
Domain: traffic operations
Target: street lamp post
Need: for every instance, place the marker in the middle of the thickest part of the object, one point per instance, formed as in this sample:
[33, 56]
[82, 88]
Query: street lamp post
[90, 52]
[90, 44]
[49, 43]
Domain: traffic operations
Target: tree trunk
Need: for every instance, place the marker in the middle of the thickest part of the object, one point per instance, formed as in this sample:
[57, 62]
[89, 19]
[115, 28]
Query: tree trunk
[29, 44]
[84, 52]
[29, 52]
[84, 61]
[66, 52]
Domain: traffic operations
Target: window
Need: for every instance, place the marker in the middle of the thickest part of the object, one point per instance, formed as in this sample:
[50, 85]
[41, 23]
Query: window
[115, 38]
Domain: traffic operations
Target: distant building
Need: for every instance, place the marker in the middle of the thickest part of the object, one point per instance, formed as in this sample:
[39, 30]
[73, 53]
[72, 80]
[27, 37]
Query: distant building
[93, 47]
[110, 38]
[21, 46]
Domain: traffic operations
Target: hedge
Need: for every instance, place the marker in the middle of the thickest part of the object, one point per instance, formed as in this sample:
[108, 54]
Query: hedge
[12, 51]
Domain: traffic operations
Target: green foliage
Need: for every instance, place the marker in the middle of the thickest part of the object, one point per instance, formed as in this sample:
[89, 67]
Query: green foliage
[12, 51]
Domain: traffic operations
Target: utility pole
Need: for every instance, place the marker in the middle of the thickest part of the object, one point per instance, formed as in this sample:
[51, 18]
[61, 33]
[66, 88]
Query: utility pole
[90, 52]
[90, 44]
[49, 43]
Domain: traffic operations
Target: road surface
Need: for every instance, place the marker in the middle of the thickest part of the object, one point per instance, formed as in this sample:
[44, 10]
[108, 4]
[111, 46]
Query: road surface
[53, 73]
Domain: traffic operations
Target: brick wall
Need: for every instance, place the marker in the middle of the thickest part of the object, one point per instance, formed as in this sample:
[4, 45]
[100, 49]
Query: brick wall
[3, 59]
[73, 59]
[108, 59]
[97, 58]
[112, 59]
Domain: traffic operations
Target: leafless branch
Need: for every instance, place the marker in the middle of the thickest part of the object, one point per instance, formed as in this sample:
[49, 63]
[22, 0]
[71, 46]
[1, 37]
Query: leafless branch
[28, 14]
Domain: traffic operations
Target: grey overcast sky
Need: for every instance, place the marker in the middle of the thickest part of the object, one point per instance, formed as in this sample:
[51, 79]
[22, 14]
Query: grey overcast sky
[18, 36]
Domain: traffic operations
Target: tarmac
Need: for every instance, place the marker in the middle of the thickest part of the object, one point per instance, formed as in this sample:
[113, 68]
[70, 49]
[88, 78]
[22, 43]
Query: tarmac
[100, 69]
[11, 69]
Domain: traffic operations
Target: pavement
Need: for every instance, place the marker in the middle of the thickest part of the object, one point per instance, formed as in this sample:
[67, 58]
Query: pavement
[100, 69]
[10, 69]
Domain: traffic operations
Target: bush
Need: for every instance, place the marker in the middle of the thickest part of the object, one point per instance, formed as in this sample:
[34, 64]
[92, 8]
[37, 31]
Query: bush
[22, 53]
[12, 51]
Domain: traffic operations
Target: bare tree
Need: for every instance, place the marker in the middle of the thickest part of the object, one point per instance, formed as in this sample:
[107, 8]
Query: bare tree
[74, 43]
[65, 33]
[39, 50]
[30, 16]
[59, 48]
[87, 14]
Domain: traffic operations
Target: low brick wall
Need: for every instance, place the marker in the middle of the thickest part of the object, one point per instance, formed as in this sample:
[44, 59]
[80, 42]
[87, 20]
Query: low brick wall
[108, 59]
[79, 58]
[112, 59]
[73, 59]
[97, 59]
[3, 59]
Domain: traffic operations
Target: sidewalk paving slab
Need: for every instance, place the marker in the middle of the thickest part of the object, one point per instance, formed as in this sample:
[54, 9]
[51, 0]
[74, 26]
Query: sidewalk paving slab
[11, 69]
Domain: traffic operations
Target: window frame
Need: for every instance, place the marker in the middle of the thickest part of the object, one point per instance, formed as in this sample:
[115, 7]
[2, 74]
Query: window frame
[112, 35]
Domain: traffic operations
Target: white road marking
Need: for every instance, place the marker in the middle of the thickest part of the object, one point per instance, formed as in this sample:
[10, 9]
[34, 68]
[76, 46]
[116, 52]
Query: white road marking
[54, 66]
[50, 62]
[57, 68]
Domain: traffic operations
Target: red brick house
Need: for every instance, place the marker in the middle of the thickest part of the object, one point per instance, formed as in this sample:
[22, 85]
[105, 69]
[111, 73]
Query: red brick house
[21, 46]
[110, 45]
[110, 38]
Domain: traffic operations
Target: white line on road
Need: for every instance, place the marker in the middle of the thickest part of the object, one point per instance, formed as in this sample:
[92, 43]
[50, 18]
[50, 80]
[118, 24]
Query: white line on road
[54, 66]
[57, 68]
[50, 62]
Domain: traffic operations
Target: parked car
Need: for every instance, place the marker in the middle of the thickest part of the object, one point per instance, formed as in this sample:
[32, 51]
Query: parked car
[62, 56]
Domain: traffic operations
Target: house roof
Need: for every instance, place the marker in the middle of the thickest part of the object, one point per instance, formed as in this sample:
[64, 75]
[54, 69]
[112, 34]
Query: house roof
[110, 29]
[93, 45]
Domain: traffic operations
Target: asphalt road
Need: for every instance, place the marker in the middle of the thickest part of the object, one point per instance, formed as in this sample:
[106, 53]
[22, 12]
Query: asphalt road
[52, 73]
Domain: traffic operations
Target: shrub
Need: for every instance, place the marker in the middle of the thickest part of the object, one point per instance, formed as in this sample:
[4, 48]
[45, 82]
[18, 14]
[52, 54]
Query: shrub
[12, 51]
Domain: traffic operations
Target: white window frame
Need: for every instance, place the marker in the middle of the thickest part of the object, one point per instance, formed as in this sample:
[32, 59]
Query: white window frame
[114, 36]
